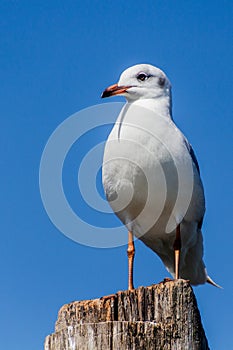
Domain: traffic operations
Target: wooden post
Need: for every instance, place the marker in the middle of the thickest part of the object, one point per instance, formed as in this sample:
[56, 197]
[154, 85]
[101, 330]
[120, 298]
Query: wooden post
[163, 316]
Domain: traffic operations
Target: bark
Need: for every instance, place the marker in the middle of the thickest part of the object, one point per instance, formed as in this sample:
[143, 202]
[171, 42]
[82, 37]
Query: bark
[163, 316]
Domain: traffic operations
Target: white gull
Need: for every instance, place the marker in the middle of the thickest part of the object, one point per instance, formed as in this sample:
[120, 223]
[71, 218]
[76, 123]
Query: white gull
[151, 176]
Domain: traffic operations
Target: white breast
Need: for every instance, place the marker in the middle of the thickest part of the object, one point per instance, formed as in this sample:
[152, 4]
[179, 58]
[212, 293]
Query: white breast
[148, 174]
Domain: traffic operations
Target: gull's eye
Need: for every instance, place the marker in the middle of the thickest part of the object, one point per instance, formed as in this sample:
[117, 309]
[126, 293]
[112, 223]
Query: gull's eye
[142, 76]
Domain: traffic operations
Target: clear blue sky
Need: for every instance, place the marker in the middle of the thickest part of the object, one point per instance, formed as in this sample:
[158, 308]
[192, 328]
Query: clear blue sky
[56, 58]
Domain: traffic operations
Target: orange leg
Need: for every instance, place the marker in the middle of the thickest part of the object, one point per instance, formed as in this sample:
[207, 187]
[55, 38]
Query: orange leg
[177, 248]
[130, 253]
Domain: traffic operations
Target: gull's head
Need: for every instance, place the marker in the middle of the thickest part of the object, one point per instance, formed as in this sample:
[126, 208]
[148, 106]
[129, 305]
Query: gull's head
[142, 81]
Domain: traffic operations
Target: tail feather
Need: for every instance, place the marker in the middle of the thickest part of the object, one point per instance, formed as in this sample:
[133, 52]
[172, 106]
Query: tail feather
[210, 281]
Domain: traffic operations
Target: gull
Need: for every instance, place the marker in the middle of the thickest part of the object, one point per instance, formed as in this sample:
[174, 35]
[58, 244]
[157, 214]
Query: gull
[151, 176]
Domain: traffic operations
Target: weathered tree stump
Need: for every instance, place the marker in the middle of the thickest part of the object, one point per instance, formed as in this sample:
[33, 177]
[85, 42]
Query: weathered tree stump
[162, 316]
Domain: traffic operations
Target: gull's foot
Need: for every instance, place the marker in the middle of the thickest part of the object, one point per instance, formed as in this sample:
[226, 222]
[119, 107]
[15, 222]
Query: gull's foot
[106, 297]
[167, 279]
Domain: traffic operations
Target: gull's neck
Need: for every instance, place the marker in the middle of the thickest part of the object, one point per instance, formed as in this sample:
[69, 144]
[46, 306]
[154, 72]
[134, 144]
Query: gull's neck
[161, 105]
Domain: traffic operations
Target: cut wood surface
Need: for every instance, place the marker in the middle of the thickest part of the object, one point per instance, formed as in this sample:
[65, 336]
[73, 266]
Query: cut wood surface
[161, 316]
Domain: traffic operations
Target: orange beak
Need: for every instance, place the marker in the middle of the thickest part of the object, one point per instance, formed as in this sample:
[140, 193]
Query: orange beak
[114, 90]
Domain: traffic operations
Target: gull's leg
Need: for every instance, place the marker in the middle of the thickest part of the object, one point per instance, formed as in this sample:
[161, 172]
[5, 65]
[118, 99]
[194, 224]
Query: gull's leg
[130, 253]
[177, 248]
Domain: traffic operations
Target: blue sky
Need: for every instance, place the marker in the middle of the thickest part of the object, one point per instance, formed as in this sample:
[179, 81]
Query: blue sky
[56, 58]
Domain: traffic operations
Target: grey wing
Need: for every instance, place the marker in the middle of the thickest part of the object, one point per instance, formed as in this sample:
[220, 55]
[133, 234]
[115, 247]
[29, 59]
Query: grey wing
[194, 159]
[192, 154]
